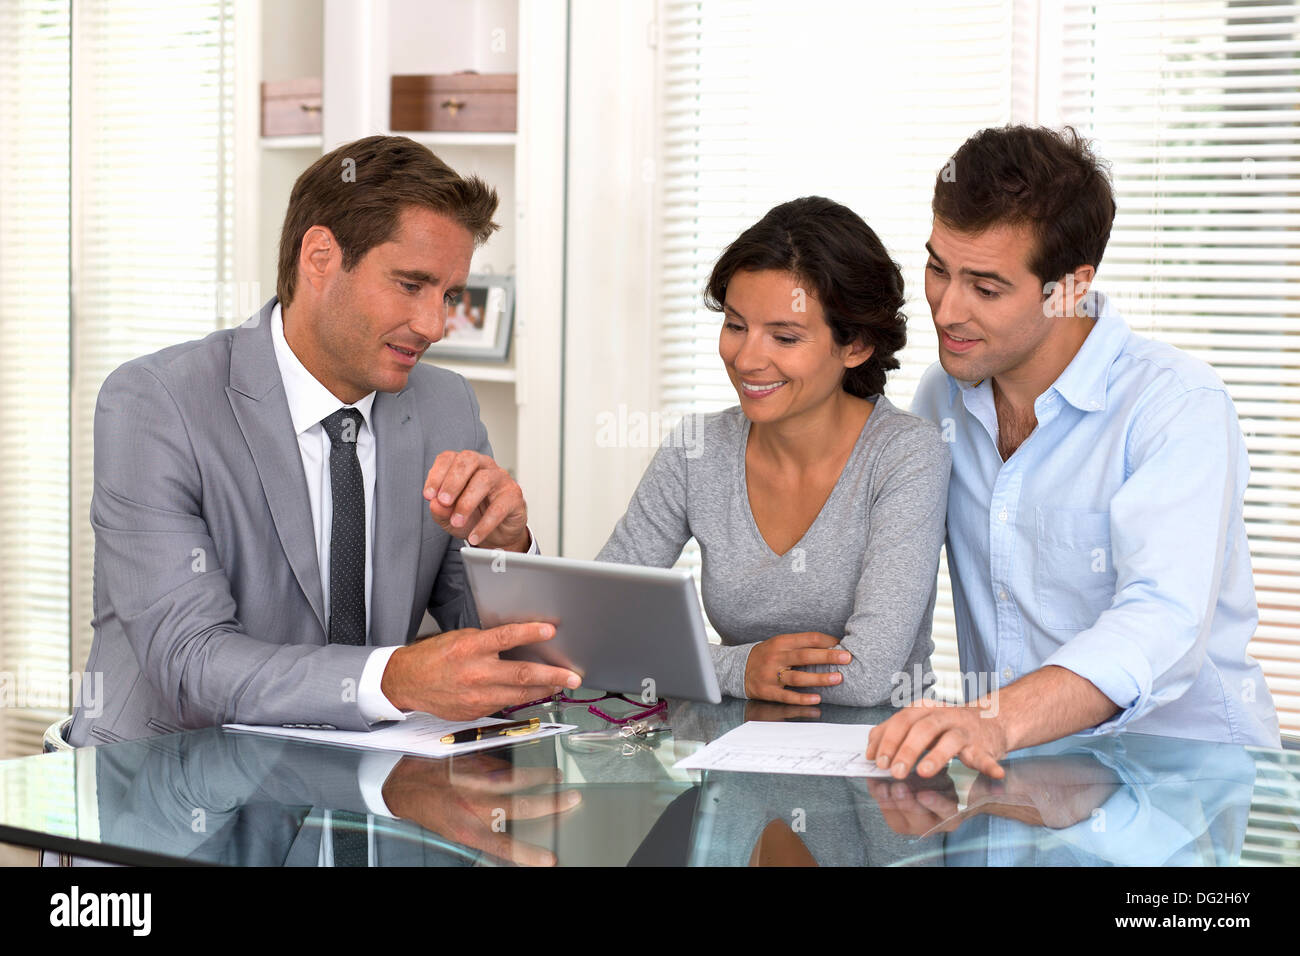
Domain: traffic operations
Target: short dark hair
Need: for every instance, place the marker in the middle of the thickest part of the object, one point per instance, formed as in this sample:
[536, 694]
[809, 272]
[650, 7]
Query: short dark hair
[358, 192]
[1031, 175]
[829, 248]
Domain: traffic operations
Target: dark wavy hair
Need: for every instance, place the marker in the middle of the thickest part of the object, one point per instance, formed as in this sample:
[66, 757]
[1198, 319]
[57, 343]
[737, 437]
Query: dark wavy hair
[1031, 175]
[846, 268]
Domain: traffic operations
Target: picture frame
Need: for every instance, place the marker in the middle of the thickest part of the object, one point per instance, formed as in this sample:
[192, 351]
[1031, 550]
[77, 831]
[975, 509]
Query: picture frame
[480, 322]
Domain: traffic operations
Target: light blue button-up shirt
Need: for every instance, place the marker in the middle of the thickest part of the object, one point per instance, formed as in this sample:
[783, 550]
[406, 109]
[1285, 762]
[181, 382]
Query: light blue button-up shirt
[1112, 542]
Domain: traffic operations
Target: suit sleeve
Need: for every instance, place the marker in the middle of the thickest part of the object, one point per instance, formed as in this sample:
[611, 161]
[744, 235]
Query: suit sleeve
[160, 577]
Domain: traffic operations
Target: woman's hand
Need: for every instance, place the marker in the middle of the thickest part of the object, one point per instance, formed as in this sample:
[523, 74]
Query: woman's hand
[770, 668]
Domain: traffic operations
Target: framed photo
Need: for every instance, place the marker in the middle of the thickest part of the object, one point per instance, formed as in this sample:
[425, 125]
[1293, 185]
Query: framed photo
[478, 325]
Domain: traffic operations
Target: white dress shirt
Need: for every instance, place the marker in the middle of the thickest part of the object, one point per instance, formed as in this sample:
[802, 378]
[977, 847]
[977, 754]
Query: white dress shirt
[1112, 542]
[309, 402]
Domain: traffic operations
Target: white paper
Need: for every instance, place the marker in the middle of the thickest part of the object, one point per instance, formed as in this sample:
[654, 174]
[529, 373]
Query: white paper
[824, 750]
[418, 734]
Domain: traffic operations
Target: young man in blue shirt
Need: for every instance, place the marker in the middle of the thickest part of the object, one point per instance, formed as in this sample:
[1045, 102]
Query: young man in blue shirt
[1099, 562]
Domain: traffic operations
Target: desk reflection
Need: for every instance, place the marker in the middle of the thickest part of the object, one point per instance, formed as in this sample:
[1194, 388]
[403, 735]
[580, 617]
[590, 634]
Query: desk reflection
[250, 800]
[1128, 800]
[213, 796]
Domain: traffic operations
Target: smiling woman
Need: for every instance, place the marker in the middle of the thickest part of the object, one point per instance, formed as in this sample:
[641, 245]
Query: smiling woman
[818, 506]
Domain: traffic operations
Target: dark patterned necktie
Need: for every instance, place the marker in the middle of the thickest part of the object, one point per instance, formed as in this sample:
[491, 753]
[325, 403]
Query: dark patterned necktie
[347, 530]
[351, 842]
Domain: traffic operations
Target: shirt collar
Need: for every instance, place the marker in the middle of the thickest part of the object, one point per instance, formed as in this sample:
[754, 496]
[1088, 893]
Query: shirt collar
[309, 400]
[1083, 383]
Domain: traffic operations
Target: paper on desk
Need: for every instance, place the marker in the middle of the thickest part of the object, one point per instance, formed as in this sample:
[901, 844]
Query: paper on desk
[824, 750]
[419, 733]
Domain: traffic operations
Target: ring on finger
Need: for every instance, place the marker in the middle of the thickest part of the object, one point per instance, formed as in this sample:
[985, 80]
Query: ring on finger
[779, 678]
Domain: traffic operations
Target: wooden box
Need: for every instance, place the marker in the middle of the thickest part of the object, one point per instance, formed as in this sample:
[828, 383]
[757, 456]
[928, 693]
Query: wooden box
[455, 102]
[291, 107]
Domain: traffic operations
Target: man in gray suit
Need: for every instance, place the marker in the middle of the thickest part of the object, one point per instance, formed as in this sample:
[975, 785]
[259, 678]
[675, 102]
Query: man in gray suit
[276, 505]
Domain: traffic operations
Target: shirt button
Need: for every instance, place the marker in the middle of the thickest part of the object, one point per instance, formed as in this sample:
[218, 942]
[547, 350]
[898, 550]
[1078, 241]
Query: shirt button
[1094, 404]
[1002, 595]
[1008, 673]
[1002, 515]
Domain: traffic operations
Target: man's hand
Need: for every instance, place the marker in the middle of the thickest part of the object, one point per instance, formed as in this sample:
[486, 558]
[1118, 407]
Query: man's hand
[1052, 792]
[466, 798]
[473, 498]
[770, 667]
[917, 806]
[458, 675]
[928, 733]
[1050, 703]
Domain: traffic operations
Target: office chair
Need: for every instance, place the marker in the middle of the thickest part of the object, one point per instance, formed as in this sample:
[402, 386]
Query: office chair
[56, 736]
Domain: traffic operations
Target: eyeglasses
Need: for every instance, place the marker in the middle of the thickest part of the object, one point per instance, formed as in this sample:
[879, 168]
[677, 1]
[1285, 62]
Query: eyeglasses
[659, 707]
[636, 737]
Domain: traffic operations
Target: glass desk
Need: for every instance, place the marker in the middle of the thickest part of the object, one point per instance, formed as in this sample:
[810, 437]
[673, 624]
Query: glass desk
[217, 797]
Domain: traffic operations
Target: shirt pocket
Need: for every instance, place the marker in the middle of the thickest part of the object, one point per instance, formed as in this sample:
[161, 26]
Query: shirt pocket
[1074, 577]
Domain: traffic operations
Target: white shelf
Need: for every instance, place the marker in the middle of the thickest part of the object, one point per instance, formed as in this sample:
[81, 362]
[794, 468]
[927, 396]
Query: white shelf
[460, 139]
[476, 371]
[307, 141]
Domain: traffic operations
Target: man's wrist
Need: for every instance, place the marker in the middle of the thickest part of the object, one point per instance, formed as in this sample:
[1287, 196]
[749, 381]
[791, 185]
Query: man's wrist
[998, 708]
[391, 793]
[391, 681]
[1047, 704]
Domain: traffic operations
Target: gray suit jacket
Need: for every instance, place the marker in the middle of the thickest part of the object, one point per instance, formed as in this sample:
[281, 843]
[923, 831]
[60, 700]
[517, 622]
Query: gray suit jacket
[207, 592]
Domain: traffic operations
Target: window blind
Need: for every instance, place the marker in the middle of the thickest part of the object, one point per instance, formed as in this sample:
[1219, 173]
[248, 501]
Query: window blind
[115, 241]
[1195, 105]
[760, 104]
[34, 336]
[153, 123]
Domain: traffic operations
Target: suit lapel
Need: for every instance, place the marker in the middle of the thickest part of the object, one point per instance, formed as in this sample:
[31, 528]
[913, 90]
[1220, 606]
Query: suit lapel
[400, 471]
[257, 398]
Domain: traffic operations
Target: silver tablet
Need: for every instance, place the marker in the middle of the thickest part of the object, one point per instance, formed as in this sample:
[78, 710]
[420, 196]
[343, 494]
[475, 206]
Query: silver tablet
[623, 628]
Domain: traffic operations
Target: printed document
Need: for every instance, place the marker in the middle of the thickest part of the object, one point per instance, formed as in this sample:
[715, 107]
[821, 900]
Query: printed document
[418, 734]
[825, 750]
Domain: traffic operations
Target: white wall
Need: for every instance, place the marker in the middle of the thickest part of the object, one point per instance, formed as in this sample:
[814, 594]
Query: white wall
[481, 35]
[610, 352]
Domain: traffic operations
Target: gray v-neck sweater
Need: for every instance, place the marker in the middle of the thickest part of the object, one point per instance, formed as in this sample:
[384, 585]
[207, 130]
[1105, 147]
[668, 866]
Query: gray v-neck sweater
[864, 571]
